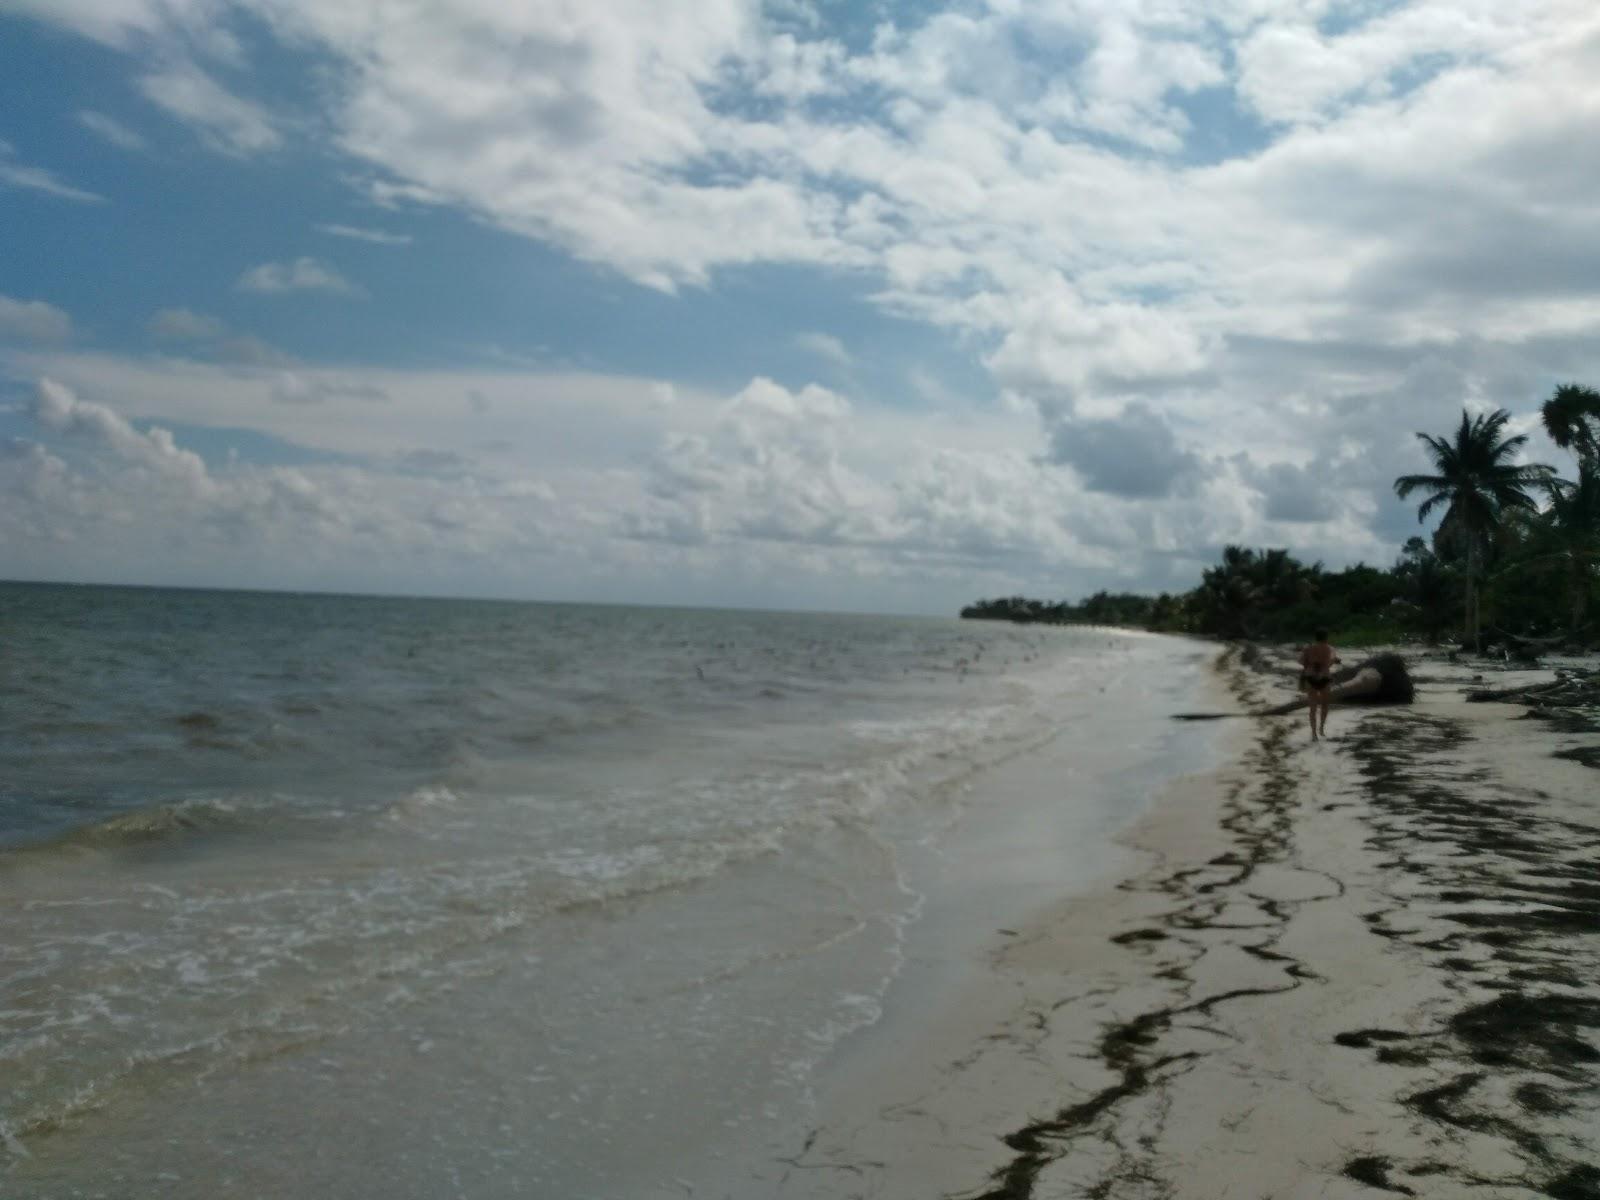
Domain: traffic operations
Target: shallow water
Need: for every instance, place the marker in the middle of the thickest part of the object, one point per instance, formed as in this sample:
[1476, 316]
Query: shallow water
[417, 897]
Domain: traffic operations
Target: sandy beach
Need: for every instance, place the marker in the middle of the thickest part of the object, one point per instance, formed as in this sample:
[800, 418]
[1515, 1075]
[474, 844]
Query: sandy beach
[1143, 959]
[707, 599]
[1343, 969]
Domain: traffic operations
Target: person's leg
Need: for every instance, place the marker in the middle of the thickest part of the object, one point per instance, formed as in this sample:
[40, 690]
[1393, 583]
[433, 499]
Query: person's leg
[1324, 699]
[1311, 710]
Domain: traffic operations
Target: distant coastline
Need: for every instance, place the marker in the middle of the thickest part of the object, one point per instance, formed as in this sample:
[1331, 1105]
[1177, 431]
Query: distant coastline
[1514, 563]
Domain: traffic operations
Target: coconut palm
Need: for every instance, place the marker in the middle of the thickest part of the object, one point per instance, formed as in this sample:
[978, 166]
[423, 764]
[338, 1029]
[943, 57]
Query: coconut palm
[1476, 482]
[1572, 419]
[1233, 595]
[1432, 588]
[1428, 584]
[1227, 598]
[1567, 538]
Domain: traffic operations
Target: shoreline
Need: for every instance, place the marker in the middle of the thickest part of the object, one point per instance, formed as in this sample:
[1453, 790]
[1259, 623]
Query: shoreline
[1347, 969]
[1361, 967]
[496, 1050]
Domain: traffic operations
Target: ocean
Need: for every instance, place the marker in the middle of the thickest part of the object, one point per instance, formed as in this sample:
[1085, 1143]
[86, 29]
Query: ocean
[349, 897]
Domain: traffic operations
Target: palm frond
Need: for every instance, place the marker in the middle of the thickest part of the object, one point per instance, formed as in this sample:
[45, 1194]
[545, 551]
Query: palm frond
[1430, 504]
[1407, 484]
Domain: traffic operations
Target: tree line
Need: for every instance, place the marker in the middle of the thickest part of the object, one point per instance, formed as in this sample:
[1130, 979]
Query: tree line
[1516, 555]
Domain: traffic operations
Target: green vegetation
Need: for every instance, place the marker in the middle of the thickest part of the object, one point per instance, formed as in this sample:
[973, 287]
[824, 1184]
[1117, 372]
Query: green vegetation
[1516, 556]
[1478, 485]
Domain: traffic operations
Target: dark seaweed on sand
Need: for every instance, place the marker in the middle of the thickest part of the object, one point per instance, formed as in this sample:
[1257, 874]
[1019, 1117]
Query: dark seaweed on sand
[1516, 889]
[1501, 899]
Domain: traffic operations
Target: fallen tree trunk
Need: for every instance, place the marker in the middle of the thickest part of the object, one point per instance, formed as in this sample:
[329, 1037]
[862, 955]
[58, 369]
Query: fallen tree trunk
[1380, 680]
[1569, 689]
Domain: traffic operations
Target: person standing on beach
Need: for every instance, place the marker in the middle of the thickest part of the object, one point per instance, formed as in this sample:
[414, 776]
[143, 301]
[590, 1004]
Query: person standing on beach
[1316, 676]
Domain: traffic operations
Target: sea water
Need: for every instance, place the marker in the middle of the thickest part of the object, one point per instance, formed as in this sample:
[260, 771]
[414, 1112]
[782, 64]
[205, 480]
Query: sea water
[342, 896]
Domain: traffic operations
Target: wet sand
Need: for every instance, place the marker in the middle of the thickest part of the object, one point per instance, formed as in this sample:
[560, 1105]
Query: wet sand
[1359, 967]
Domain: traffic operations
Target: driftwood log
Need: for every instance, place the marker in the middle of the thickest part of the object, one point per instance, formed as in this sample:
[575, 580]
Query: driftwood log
[1569, 689]
[1379, 680]
[1382, 679]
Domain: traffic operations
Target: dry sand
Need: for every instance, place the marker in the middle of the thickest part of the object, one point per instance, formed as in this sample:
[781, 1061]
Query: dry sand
[1360, 967]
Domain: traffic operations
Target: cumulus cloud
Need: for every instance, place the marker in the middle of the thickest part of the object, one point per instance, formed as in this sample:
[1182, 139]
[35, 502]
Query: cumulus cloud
[301, 275]
[33, 321]
[981, 160]
[1174, 233]
[796, 492]
[771, 469]
[1058, 347]
[1293, 493]
[1134, 454]
[1294, 70]
[135, 497]
[58, 409]
[803, 468]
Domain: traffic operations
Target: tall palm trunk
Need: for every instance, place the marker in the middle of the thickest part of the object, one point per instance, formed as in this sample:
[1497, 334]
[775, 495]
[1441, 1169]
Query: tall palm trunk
[1474, 557]
[1580, 602]
[1477, 481]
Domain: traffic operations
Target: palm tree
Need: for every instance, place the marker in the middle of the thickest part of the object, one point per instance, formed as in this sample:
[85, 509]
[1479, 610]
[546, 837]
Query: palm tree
[1246, 584]
[1228, 597]
[1428, 585]
[1572, 419]
[1475, 482]
[1432, 589]
[1567, 537]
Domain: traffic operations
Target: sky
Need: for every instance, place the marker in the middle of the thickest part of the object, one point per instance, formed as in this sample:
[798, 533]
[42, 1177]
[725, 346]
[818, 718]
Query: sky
[875, 306]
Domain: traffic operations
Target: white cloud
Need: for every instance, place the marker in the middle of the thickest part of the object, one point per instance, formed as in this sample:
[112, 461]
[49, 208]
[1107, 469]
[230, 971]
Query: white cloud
[1292, 493]
[224, 122]
[291, 388]
[1254, 238]
[248, 350]
[377, 237]
[33, 321]
[788, 488]
[301, 275]
[59, 410]
[139, 501]
[958, 155]
[183, 325]
[794, 492]
[1132, 454]
[111, 130]
[299, 387]
[209, 337]
[796, 70]
[825, 345]
[554, 419]
[119, 22]
[37, 179]
[1290, 70]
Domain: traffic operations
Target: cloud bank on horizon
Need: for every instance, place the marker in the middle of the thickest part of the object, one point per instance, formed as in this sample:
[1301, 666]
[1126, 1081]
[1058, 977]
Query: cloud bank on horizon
[796, 303]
